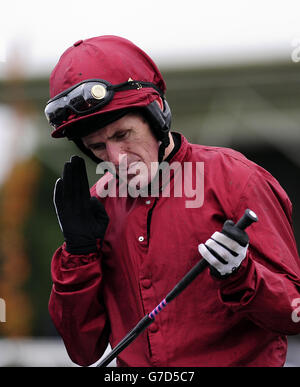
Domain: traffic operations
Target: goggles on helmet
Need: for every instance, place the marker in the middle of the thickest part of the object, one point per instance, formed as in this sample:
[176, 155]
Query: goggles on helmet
[86, 97]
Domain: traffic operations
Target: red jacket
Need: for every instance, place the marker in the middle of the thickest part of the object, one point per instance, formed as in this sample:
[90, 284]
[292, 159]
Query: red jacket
[239, 321]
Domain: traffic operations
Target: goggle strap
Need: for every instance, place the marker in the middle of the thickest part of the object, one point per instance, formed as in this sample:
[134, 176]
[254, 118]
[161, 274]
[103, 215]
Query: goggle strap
[134, 85]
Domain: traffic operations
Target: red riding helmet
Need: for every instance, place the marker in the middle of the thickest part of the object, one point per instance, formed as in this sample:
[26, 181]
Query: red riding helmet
[99, 80]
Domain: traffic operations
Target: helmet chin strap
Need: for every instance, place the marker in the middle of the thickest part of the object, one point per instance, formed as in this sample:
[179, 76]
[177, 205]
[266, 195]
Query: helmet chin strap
[162, 148]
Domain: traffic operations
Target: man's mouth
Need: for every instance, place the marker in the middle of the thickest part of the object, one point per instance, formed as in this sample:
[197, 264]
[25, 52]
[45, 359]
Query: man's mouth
[130, 170]
[133, 168]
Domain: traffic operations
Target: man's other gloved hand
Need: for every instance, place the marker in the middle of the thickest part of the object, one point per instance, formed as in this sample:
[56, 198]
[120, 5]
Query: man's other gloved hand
[225, 250]
[82, 218]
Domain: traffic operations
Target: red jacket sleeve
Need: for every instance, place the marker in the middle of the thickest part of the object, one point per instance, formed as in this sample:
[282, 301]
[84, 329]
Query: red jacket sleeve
[76, 307]
[269, 278]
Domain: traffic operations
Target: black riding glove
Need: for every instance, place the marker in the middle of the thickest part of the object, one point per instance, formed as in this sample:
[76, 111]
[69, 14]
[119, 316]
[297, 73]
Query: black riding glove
[82, 218]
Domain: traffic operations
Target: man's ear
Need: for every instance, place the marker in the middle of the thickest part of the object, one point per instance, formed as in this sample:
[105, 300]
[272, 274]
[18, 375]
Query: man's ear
[160, 103]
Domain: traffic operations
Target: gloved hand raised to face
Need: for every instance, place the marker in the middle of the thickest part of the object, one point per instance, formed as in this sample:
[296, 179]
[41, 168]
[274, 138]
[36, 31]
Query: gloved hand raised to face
[82, 218]
[225, 250]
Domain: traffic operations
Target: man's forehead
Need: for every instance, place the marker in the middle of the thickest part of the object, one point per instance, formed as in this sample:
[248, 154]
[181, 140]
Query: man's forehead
[104, 133]
[109, 130]
[99, 135]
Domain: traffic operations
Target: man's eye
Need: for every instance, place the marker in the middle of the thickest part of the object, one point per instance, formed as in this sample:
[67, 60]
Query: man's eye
[121, 135]
[97, 147]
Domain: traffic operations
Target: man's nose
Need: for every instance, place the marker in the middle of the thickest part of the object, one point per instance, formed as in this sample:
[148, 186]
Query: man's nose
[114, 153]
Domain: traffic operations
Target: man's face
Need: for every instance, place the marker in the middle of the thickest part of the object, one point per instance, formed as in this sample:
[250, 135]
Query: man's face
[130, 137]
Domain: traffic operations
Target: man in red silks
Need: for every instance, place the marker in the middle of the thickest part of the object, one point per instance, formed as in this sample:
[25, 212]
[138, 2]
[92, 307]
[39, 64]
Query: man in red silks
[126, 244]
